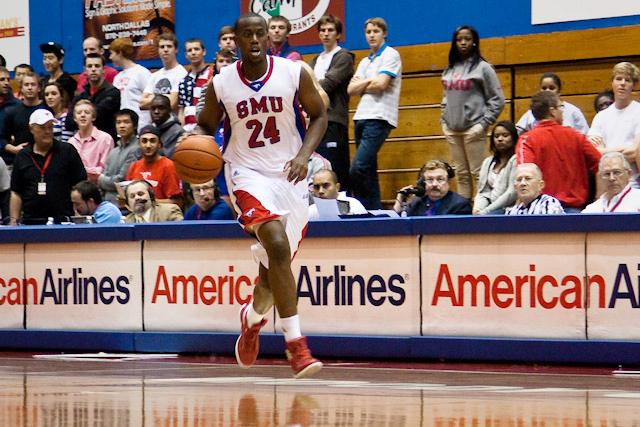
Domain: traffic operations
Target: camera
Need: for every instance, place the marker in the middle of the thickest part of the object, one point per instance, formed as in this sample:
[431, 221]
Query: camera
[418, 190]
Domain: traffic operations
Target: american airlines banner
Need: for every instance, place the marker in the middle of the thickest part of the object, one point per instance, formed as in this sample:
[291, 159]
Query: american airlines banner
[303, 15]
[15, 291]
[84, 286]
[140, 20]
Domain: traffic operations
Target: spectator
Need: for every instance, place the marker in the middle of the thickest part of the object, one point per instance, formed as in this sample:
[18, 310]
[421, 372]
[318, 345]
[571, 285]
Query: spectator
[473, 100]
[56, 99]
[377, 81]
[5, 192]
[497, 173]
[166, 80]
[7, 99]
[531, 200]
[156, 169]
[19, 71]
[572, 116]
[132, 80]
[563, 154]
[224, 57]
[227, 40]
[614, 172]
[326, 186]
[279, 28]
[603, 100]
[167, 124]
[334, 68]
[102, 94]
[93, 46]
[15, 130]
[617, 128]
[121, 157]
[53, 59]
[87, 200]
[433, 196]
[315, 164]
[43, 174]
[92, 144]
[144, 207]
[190, 88]
[208, 204]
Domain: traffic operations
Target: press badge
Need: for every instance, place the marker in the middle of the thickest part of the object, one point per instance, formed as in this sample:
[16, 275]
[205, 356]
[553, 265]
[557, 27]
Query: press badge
[42, 188]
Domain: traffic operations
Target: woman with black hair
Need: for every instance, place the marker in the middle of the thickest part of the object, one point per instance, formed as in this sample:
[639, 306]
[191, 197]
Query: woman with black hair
[498, 171]
[571, 117]
[473, 100]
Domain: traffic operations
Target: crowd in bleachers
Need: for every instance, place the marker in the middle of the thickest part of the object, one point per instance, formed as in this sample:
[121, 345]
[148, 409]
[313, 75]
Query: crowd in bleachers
[99, 147]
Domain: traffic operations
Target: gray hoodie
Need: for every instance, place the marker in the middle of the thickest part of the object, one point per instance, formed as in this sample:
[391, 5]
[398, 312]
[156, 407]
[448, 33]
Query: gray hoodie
[471, 96]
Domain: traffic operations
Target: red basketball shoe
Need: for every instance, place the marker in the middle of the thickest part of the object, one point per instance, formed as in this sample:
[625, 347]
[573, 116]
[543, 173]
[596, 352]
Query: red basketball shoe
[302, 362]
[248, 343]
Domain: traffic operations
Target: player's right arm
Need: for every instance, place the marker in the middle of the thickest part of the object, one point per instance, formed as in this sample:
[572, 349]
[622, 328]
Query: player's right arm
[211, 114]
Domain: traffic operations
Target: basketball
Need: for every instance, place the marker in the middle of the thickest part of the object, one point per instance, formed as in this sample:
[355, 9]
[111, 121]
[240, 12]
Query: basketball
[197, 159]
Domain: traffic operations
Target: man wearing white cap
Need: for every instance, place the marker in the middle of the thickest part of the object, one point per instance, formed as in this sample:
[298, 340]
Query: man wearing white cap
[43, 174]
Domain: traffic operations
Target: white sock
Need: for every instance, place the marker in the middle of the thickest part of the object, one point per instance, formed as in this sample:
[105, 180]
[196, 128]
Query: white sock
[291, 328]
[253, 317]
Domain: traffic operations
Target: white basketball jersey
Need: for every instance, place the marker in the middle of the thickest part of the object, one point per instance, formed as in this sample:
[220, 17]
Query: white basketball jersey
[263, 125]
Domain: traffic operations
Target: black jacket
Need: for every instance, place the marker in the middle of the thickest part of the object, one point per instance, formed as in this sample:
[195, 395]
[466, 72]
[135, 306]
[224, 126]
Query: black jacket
[335, 83]
[107, 102]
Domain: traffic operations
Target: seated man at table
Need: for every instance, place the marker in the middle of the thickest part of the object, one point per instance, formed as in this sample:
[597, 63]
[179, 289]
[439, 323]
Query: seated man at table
[141, 201]
[87, 201]
[614, 172]
[326, 186]
[208, 204]
[530, 199]
[436, 198]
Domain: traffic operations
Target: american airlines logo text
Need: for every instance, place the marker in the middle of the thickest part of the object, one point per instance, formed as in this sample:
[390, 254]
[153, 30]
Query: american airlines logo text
[334, 287]
[532, 290]
[65, 288]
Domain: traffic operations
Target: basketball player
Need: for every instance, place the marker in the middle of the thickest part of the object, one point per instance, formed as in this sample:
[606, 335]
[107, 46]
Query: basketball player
[267, 151]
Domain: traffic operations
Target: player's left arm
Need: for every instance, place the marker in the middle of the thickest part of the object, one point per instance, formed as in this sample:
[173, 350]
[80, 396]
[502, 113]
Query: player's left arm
[311, 103]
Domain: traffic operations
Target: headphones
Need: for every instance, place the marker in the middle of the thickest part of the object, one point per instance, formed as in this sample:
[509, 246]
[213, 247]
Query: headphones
[152, 194]
[436, 164]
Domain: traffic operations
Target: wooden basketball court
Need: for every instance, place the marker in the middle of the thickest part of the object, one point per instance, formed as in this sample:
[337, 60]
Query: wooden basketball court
[169, 390]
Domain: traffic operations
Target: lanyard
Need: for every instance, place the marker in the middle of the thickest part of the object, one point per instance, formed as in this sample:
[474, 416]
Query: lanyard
[620, 200]
[43, 169]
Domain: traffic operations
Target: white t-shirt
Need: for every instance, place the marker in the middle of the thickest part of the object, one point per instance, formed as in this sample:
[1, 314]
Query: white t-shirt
[383, 106]
[355, 207]
[618, 128]
[323, 62]
[628, 200]
[131, 83]
[166, 81]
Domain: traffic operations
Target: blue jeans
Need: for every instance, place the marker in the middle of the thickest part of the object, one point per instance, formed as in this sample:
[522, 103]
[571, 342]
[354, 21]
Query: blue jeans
[370, 135]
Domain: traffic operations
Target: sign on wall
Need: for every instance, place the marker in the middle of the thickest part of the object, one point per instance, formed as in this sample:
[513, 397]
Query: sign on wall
[549, 11]
[522, 285]
[303, 15]
[15, 290]
[84, 286]
[14, 32]
[140, 20]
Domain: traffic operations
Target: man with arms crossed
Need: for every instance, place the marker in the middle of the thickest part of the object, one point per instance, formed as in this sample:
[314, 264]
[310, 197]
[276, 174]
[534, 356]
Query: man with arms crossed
[267, 154]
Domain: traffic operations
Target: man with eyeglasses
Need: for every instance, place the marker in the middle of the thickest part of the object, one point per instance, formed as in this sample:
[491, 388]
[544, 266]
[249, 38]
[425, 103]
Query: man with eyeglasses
[564, 155]
[615, 174]
[438, 199]
[208, 204]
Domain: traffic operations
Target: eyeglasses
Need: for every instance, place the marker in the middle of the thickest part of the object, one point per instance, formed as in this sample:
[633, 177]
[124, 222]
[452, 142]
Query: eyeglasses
[616, 173]
[438, 180]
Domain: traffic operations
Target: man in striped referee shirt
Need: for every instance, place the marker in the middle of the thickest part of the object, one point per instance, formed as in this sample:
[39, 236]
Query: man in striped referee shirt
[531, 201]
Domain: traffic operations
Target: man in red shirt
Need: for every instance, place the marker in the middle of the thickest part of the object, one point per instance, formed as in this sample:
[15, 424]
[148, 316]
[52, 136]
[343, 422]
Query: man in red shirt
[564, 155]
[156, 169]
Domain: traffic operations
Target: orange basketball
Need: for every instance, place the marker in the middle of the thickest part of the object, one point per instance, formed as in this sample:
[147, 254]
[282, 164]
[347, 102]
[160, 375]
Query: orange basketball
[198, 159]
